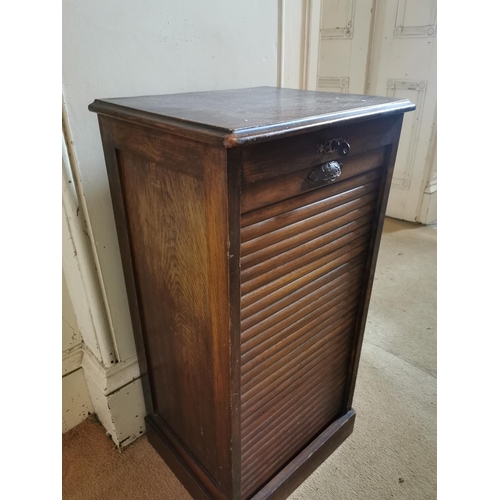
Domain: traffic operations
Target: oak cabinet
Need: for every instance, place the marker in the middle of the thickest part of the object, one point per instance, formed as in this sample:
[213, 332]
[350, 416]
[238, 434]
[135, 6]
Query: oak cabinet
[249, 222]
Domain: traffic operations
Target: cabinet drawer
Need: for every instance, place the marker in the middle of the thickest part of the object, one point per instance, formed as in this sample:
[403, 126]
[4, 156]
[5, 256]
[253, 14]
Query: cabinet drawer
[272, 159]
[261, 193]
[275, 171]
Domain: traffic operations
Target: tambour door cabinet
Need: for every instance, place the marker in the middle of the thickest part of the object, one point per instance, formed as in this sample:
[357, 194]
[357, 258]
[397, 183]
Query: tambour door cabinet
[249, 223]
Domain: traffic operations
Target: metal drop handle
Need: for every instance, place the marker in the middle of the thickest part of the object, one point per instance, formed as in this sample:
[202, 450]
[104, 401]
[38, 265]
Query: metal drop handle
[329, 171]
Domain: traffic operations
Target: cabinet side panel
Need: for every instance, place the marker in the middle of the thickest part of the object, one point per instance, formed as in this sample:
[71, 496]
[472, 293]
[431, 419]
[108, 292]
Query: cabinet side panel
[168, 233]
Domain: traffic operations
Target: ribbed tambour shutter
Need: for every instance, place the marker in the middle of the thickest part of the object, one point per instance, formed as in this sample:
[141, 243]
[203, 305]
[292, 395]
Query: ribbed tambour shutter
[302, 268]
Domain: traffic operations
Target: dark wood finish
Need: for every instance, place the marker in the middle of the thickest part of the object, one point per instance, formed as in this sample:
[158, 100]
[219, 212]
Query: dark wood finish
[283, 156]
[238, 117]
[310, 339]
[248, 282]
[175, 461]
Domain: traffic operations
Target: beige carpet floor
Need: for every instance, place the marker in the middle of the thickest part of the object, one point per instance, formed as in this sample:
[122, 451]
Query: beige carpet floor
[392, 451]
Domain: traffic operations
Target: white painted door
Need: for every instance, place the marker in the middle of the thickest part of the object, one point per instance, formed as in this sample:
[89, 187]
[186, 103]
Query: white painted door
[403, 64]
[388, 47]
[344, 46]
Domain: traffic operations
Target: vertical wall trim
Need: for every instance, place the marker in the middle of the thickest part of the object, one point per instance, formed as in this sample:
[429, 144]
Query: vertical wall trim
[104, 328]
[304, 63]
[299, 29]
[77, 268]
[313, 37]
[71, 266]
[426, 179]
[281, 43]
[370, 46]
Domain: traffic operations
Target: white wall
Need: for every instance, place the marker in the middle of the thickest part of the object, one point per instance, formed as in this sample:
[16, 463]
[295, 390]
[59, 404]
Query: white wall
[111, 49]
[114, 48]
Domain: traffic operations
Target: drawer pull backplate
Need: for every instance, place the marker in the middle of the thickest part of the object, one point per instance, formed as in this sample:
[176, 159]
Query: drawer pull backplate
[332, 145]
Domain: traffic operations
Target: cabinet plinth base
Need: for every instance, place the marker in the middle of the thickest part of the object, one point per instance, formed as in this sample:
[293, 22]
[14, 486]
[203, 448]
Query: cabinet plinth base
[280, 486]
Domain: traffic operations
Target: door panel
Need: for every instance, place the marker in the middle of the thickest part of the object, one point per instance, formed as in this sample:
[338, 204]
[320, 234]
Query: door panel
[388, 47]
[403, 64]
[344, 45]
[299, 312]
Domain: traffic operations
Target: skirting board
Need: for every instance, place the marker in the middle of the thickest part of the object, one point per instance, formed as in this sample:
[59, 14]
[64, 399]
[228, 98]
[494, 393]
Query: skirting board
[280, 486]
[76, 401]
[117, 397]
[428, 210]
[114, 394]
[72, 360]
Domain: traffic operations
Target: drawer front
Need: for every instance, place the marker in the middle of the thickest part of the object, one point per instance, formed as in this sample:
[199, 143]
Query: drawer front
[280, 157]
[281, 169]
[303, 263]
[262, 193]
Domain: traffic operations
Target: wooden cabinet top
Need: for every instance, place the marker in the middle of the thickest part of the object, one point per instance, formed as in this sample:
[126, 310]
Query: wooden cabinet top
[239, 116]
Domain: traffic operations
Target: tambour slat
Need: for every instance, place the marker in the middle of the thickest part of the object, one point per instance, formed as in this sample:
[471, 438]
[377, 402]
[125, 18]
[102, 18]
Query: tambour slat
[312, 401]
[322, 206]
[310, 270]
[274, 302]
[279, 326]
[270, 464]
[290, 364]
[285, 391]
[271, 271]
[306, 248]
[287, 330]
[250, 380]
[290, 398]
[289, 204]
[304, 225]
[317, 338]
[250, 404]
[300, 239]
[290, 408]
[288, 429]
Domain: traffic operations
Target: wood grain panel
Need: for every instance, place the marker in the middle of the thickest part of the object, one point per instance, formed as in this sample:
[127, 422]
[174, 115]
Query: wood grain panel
[169, 238]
